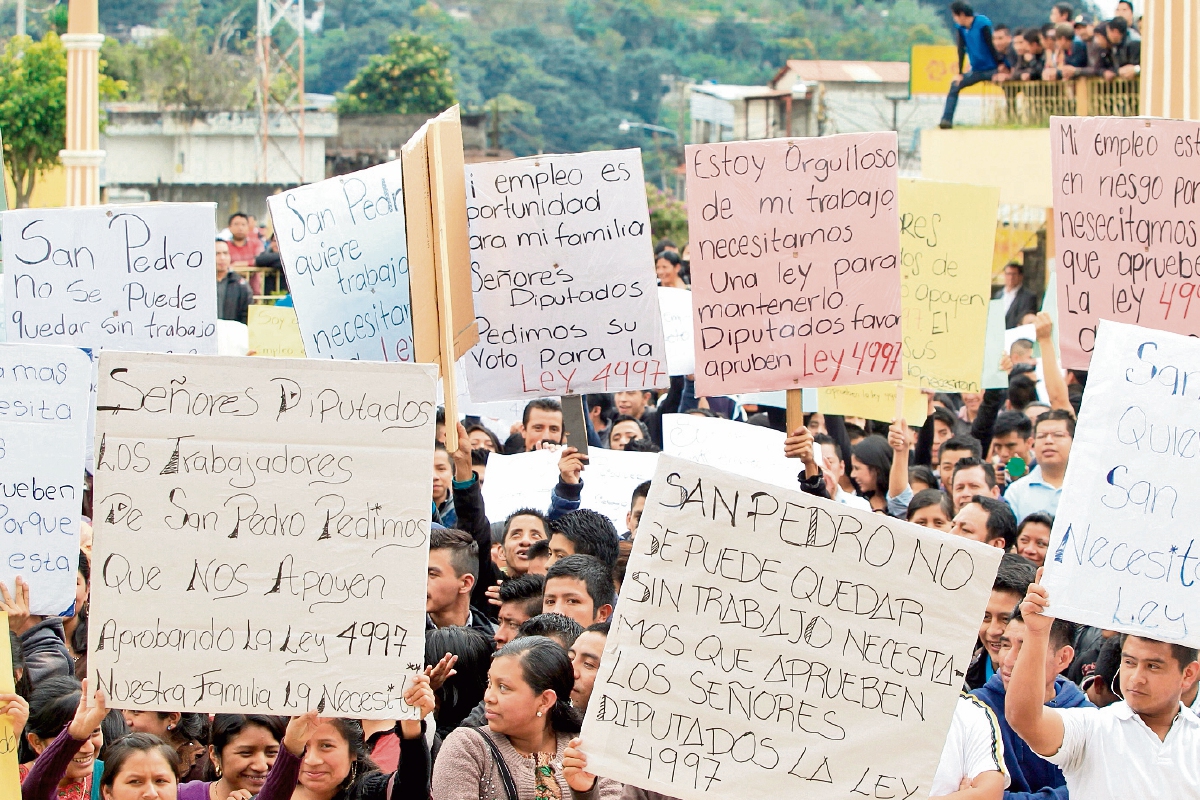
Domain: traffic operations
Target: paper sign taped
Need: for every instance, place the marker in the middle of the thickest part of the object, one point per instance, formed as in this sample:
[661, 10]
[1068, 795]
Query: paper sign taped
[263, 530]
[1122, 552]
[139, 277]
[565, 290]
[676, 307]
[744, 657]
[275, 332]
[45, 398]
[795, 248]
[874, 401]
[344, 249]
[947, 235]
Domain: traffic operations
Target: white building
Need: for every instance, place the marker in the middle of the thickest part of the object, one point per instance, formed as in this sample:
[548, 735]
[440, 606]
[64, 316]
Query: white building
[726, 112]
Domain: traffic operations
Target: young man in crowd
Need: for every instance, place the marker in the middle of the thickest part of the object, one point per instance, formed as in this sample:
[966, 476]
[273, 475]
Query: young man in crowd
[1071, 54]
[579, 587]
[542, 421]
[636, 505]
[1030, 69]
[1060, 13]
[520, 600]
[1008, 589]
[522, 528]
[1012, 437]
[583, 532]
[1143, 746]
[953, 450]
[974, 34]
[242, 246]
[1018, 301]
[585, 657]
[833, 469]
[972, 477]
[637, 404]
[988, 520]
[233, 294]
[1030, 773]
[1040, 490]
[1125, 49]
[452, 572]
[558, 627]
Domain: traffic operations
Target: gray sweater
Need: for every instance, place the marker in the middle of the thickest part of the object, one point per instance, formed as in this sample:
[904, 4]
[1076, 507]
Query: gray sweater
[465, 770]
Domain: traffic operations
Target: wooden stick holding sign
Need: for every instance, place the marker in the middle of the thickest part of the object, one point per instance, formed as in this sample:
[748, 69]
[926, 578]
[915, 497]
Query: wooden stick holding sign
[795, 410]
[444, 326]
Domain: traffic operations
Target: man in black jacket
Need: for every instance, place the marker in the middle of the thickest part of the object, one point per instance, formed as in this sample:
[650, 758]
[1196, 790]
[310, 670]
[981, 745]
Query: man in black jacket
[1126, 49]
[1018, 301]
[233, 293]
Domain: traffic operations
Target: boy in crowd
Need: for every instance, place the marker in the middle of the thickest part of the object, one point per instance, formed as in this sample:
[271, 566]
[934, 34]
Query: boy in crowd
[583, 532]
[451, 575]
[585, 656]
[520, 600]
[579, 587]
[636, 505]
[1012, 580]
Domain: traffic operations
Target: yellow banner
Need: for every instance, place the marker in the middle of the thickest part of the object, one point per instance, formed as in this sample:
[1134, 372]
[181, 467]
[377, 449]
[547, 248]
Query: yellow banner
[933, 66]
[947, 233]
[274, 332]
[9, 775]
[873, 401]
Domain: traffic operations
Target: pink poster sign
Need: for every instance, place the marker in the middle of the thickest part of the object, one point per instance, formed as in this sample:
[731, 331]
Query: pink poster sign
[795, 254]
[1127, 226]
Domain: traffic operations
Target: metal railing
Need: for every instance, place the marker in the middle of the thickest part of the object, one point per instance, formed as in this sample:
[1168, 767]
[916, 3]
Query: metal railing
[1030, 104]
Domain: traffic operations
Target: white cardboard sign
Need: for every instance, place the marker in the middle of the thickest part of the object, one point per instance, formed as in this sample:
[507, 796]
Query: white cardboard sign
[261, 534]
[678, 329]
[751, 451]
[772, 644]
[113, 277]
[563, 277]
[526, 480]
[1123, 554]
[345, 251]
[45, 394]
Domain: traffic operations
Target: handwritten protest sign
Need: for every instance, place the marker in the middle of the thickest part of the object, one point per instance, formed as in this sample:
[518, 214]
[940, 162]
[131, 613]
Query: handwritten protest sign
[563, 277]
[117, 277]
[526, 480]
[280, 515]
[10, 774]
[769, 643]
[1126, 194]
[873, 401]
[1123, 549]
[45, 394]
[947, 233]
[275, 331]
[676, 307]
[751, 451]
[344, 249]
[795, 262]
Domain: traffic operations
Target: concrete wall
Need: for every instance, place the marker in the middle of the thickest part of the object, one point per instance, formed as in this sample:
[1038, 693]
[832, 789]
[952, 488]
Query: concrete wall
[1016, 160]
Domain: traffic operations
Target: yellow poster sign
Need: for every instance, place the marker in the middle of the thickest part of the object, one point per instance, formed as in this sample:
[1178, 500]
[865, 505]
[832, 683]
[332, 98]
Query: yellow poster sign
[947, 233]
[10, 780]
[933, 66]
[274, 332]
[873, 401]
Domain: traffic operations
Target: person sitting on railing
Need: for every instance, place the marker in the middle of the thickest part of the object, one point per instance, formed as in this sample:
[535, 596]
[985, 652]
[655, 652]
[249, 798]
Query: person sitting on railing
[1070, 55]
[1099, 54]
[974, 33]
[1126, 49]
[1034, 60]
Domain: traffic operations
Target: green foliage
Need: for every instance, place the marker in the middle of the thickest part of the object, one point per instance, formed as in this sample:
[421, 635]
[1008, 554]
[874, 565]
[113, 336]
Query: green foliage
[411, 79]
[181, 73]
[33, 108]
[124, 15]
[668, 215]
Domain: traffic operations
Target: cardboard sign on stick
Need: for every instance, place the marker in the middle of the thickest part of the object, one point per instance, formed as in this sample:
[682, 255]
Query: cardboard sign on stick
[45, 398]
[343, 247]
[140, 277]
[947, 236]
[745, 657]
[564, 277]
[263, 533]
[1125, 226]
[1122, 553]
[795, 248]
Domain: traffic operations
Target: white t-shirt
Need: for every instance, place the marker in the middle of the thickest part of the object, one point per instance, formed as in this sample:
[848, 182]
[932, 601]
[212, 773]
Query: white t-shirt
[1110, 753]
[973, 746]
[852, 500]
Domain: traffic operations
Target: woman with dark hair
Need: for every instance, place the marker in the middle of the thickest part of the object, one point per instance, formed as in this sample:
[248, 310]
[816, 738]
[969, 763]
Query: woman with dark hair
[1033, 537]
[187, 733]
[931, 508]
[56, 705]
[241, 751]
[336, 765]
[668, 268]
[530, 723]
[464, 689]
[482, 438]
[75, 627]
[137, 762]
[871, 464]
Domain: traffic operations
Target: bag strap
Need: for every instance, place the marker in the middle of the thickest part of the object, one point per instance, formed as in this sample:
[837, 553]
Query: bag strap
[510, 787]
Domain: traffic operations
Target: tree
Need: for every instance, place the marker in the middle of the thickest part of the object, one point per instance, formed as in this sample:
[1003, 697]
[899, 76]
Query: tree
[412, 78]
[33, 108]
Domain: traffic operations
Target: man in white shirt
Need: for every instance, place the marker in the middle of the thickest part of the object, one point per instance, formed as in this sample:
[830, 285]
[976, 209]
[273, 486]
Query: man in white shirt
[1145, 746]
[973, 756]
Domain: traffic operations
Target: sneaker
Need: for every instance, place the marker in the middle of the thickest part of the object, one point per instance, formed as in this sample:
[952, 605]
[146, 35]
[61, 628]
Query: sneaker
[945, 124]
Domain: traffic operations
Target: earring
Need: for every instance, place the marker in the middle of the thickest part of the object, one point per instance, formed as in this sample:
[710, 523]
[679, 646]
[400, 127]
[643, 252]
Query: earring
[170, 727]
[539, 713]
[217, 767]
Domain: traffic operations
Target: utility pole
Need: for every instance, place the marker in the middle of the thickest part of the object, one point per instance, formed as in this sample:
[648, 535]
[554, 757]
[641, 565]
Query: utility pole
[20, 17]
[286, 102]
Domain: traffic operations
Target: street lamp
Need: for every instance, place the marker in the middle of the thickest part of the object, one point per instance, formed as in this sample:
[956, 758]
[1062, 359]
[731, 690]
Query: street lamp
[627, 126]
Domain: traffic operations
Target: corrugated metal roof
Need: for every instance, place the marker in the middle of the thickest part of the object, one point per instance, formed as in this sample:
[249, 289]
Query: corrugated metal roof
[849, 71]
[729, 91]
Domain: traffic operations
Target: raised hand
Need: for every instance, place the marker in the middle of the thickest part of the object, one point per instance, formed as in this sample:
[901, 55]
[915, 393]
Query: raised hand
[87, 718]
[16, 605]
[575, 767]
[16, 708]
[300, 730]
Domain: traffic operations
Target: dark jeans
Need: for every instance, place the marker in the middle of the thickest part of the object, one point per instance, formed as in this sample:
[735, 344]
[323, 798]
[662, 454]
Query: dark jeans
[970, 79]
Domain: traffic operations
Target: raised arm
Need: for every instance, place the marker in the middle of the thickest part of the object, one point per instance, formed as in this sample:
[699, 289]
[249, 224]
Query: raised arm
[898, 439]
[1040, 727]
[48, 770]
[1056, 385]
